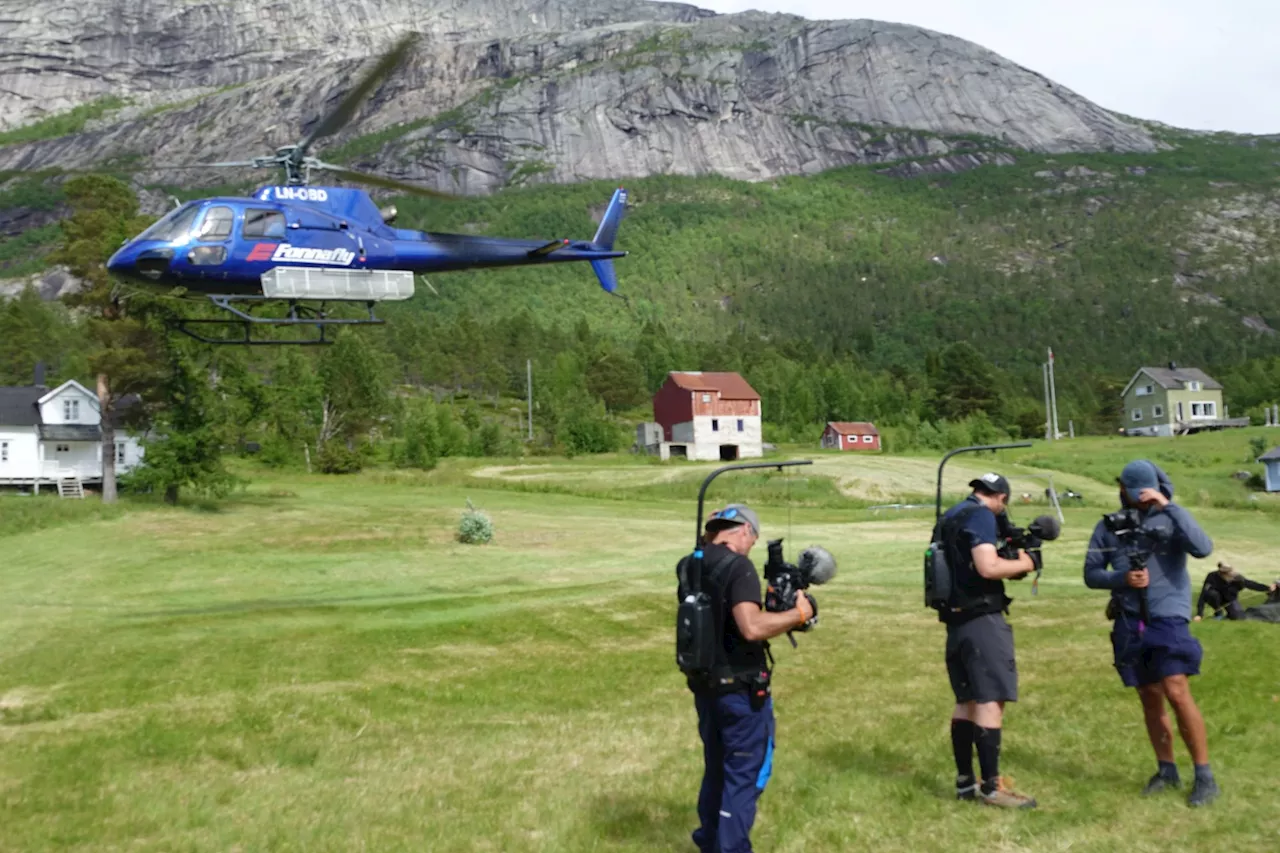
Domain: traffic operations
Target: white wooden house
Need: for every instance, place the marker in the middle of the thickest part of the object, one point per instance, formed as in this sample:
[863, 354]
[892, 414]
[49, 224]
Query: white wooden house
[48, 437]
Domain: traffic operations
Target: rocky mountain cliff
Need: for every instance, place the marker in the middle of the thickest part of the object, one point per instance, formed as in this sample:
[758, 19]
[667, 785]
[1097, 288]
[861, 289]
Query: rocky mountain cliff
[502, 92]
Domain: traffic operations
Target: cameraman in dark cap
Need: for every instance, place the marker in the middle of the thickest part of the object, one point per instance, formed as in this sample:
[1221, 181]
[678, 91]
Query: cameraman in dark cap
[735, 709]
[980, 658]
[1156, 658]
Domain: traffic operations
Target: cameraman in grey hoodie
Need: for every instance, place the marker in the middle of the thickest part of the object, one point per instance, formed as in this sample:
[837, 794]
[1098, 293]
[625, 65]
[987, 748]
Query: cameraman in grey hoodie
[1158, 658]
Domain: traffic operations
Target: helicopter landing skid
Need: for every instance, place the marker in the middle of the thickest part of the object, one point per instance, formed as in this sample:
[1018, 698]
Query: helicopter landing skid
[300, 314]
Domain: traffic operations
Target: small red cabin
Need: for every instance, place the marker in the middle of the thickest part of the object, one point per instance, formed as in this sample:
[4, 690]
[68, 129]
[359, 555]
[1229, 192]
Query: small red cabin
[851, 435]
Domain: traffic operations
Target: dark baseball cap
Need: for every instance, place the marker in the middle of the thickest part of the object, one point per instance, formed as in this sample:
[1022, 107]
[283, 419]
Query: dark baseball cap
[1138, 475]
[992, 484]
[733, 515]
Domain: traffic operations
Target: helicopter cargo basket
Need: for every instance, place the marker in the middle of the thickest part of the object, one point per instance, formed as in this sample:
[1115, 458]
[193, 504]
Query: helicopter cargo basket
[337, 284]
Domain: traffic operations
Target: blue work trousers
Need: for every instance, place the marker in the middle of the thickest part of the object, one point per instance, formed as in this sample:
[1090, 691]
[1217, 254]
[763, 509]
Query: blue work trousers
[737, 749]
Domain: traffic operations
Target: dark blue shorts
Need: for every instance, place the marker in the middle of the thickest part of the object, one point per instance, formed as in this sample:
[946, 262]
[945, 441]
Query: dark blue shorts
[1166, 648]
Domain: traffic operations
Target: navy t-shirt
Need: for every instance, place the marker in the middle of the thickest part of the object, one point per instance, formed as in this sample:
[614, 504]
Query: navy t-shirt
[978, 527]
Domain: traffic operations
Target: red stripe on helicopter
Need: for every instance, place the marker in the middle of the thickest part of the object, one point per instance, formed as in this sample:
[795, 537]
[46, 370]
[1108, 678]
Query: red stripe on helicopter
[262, 252]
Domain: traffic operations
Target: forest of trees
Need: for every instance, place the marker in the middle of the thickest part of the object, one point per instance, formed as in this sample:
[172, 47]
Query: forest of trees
[924, 307]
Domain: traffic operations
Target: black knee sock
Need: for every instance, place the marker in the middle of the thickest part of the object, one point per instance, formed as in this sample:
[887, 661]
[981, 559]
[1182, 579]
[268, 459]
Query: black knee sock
[988, 743]
[962, 732]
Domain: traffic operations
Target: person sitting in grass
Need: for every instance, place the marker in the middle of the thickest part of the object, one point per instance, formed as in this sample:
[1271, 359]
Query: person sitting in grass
[1221, 591]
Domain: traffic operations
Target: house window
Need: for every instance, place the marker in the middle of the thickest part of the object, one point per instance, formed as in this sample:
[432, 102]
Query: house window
[1144, 390]
[1157, 411]
[741, 428]
[706, 398]
[1181, 415]
[4, 451]
[62, 448]
[71, 410]
[866, 439]
[119, 452]
[1137, 414]
[1204, 410]
[1193, 385]
[715, 425]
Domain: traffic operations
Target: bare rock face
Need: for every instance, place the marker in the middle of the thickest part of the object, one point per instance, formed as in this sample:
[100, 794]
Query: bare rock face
[52, 284]
[502, 92]
[56, 54]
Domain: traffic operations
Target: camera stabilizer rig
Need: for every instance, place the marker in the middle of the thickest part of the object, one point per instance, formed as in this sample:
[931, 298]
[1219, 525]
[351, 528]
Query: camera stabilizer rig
[1137, 543]
[937, 569]
[695, 622]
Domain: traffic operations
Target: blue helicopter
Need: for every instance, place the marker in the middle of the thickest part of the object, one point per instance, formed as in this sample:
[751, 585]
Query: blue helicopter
[308, 246]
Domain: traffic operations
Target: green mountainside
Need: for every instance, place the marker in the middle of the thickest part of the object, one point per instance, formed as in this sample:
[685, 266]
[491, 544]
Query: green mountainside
[1113, 260]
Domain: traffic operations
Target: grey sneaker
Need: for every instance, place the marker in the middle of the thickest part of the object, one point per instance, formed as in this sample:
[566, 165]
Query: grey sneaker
[966, 788]
[1005, 797]
[1159, 784]
[1203, 792]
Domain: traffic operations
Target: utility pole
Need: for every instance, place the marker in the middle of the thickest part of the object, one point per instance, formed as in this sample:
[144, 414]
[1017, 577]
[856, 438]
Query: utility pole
[528, 366]
[1053, 396]
[1048, 411]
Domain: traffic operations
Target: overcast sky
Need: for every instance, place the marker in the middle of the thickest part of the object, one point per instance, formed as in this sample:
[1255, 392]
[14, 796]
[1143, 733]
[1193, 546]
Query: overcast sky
[1188, 63]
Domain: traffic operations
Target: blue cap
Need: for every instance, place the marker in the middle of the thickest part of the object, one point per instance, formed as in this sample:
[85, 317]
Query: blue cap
[1137, 476]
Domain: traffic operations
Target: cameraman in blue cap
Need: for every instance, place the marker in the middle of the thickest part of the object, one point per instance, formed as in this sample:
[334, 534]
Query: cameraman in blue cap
[1156, 658]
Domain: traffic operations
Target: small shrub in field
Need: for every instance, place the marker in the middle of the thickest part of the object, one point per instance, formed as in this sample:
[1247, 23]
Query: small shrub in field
[476, 528]
[335, 458]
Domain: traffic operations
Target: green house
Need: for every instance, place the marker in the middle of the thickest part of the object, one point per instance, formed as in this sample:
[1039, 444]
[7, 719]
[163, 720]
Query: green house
[1174, 401]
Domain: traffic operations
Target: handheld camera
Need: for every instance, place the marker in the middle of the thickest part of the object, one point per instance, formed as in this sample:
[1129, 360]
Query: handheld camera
[787, 581]
[1137, 543]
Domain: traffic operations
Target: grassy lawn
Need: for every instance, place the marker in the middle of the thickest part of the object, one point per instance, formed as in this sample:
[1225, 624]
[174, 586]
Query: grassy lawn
[318, 665]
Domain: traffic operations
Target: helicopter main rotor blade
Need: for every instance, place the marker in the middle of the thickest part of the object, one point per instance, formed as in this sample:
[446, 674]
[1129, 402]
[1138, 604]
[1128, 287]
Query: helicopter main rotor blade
[341, 114]
[231, 164]
[380, 181]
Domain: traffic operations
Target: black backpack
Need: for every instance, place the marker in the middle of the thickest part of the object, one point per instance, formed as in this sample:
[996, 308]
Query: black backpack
[699, 640]
[939, 576]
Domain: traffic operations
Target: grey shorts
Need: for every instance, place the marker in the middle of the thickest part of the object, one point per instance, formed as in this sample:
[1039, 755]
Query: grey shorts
[980, 660]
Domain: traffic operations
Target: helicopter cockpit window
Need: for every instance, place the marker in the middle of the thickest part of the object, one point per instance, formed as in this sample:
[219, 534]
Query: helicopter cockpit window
[217, 224]
[174, 226]
[263, 223]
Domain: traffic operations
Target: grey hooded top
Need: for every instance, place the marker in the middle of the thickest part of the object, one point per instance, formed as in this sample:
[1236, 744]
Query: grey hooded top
[1169, 592]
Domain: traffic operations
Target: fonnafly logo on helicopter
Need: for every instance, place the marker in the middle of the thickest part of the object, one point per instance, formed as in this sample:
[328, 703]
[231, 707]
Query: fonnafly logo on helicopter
[285, 253]
[293, 194]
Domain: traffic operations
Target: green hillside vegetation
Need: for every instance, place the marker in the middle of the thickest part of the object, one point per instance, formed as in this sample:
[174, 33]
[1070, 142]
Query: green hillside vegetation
[924, 304]
[62, 124]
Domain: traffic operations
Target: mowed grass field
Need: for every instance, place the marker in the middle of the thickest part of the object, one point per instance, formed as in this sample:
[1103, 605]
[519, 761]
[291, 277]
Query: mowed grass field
[318, 665]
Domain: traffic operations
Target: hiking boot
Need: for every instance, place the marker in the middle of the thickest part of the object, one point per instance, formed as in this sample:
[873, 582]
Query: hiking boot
[1160, 783]
[1203, 792]
[966, 788]
[1005, 797]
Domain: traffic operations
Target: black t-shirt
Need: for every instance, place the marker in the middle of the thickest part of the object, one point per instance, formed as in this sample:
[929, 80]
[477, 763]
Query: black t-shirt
[737, 581]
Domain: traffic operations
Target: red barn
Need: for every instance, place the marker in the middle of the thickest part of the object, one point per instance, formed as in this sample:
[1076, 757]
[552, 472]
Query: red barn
[851, 435]
[708, 416]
